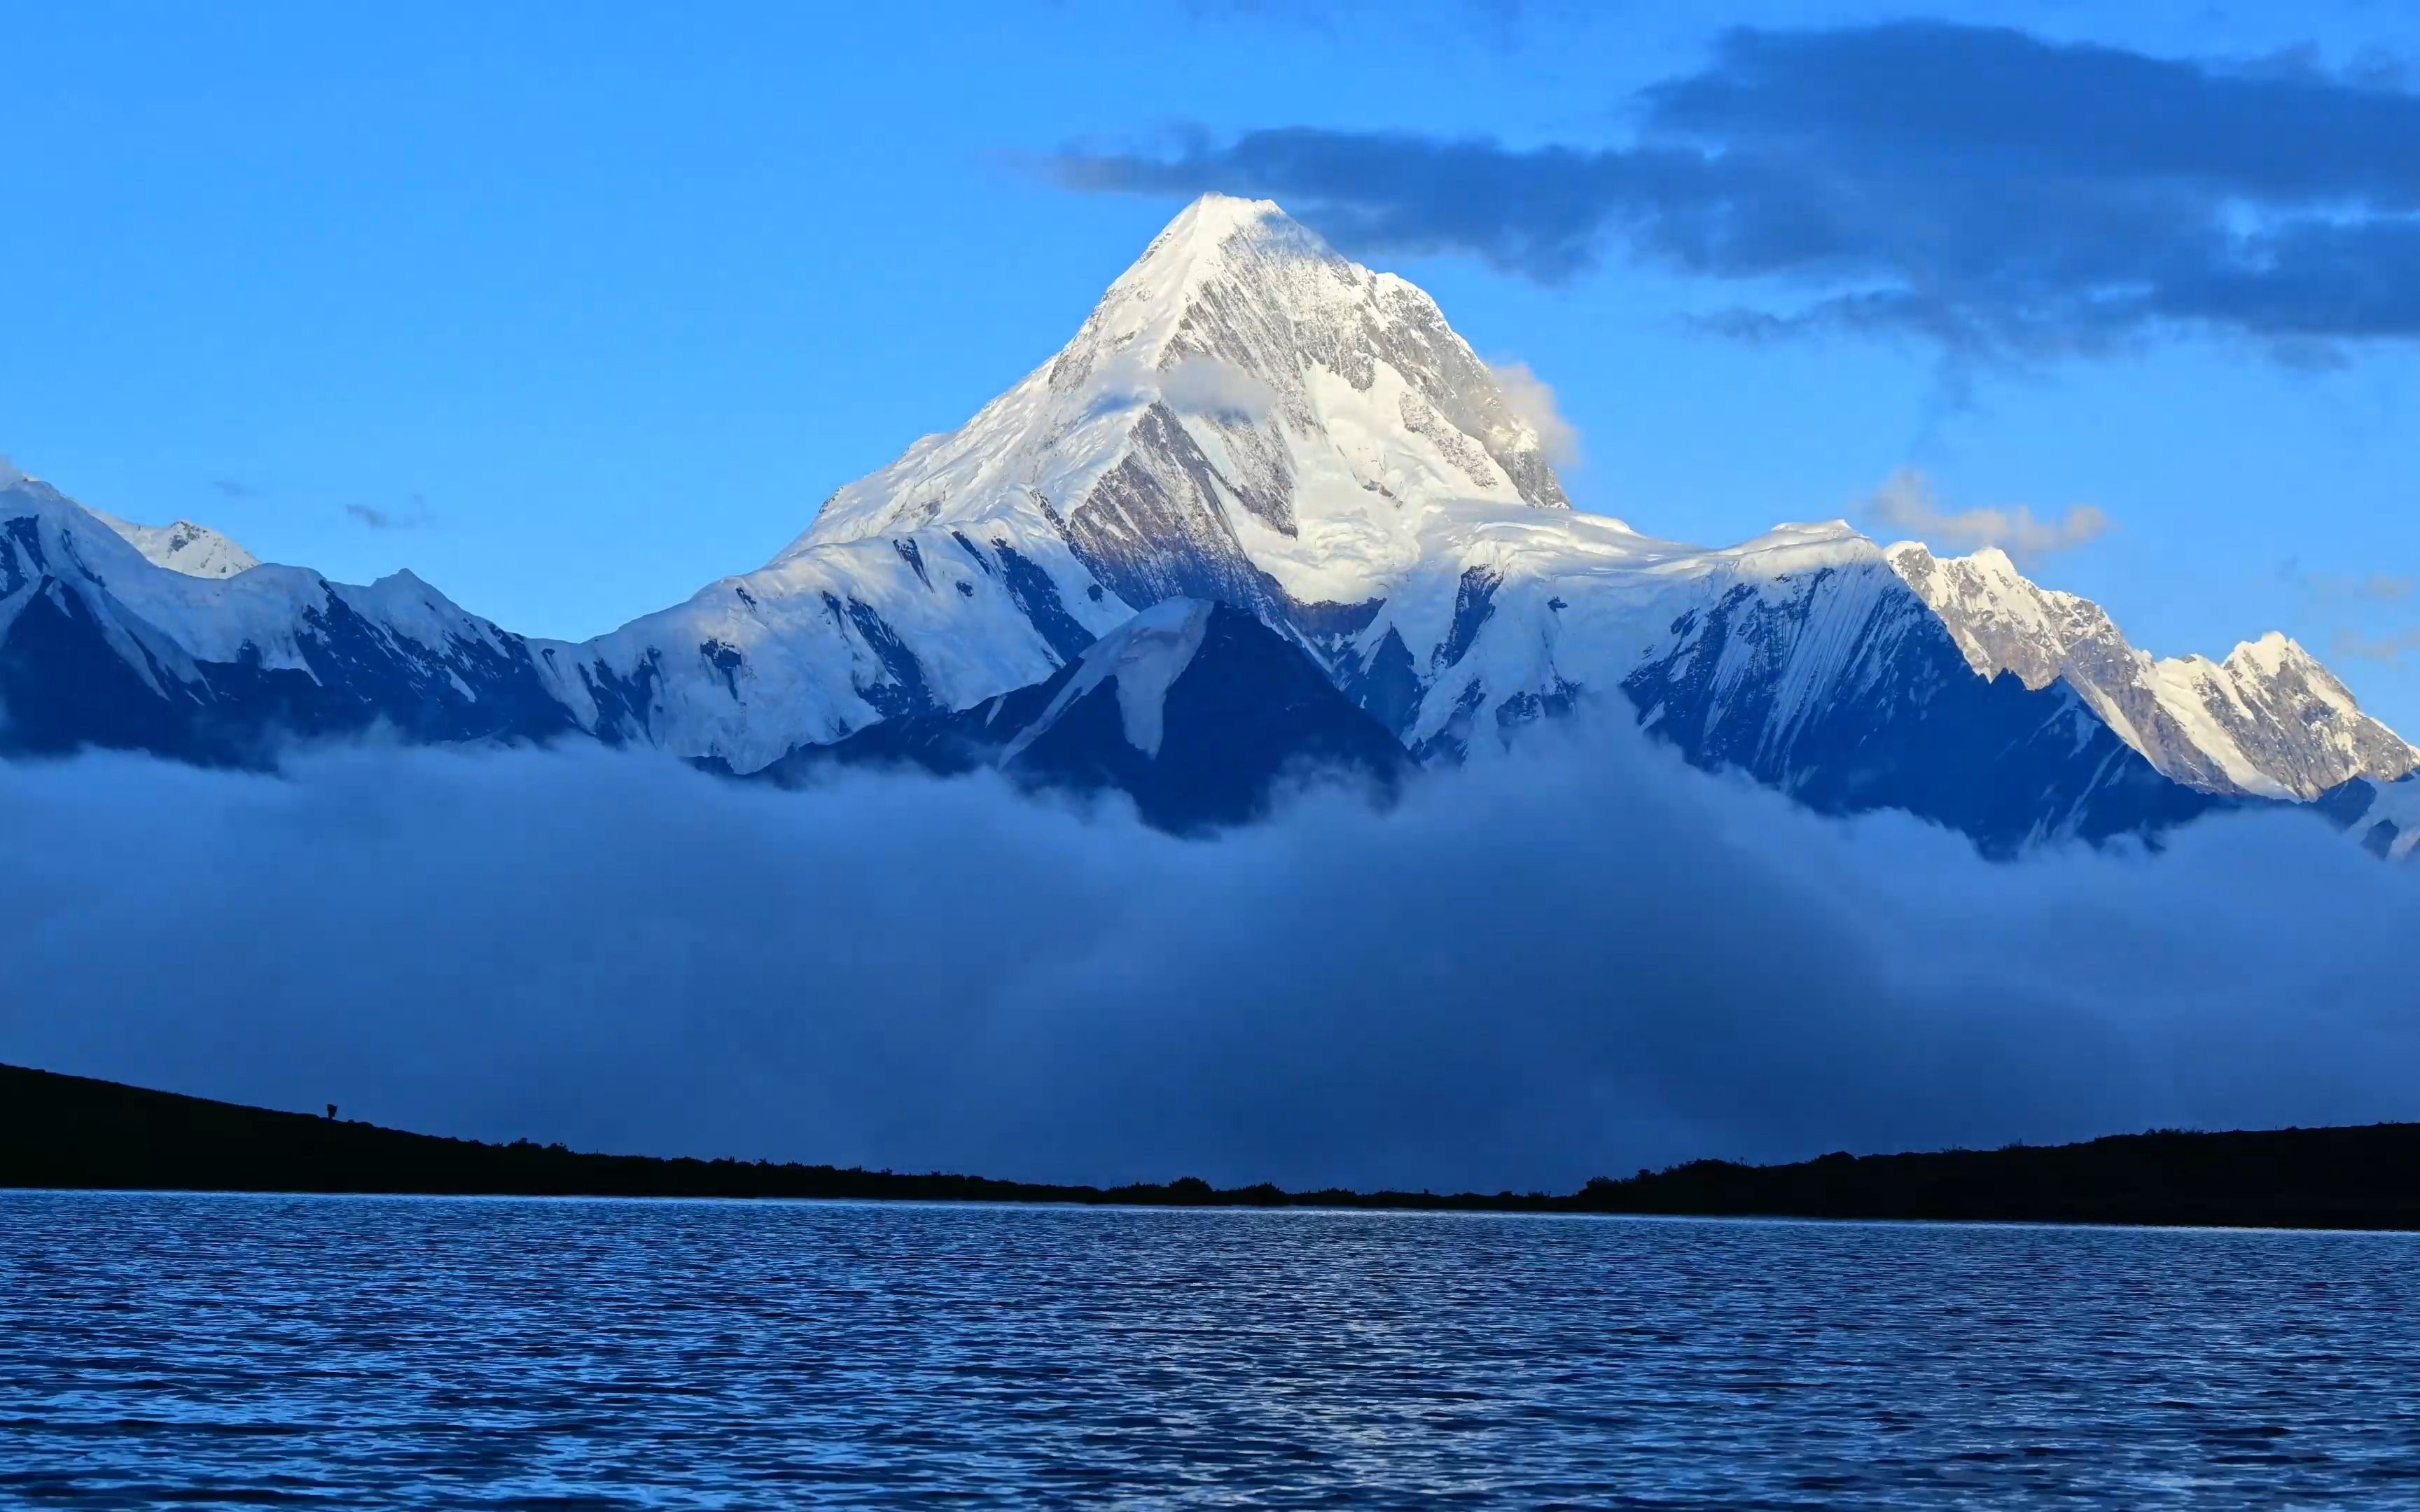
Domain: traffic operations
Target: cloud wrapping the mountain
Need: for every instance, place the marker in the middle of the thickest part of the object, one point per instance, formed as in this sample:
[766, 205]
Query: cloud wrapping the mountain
[1533, 398]
[1206, 386]
[1981, 186]
[1581, 958]
[1907, 502]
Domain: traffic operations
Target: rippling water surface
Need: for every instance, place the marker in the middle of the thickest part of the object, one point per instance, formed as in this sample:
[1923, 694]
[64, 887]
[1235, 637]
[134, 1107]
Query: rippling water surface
[400, 1352]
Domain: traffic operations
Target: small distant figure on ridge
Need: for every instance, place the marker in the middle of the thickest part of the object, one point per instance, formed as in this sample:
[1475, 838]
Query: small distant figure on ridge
[331, 1110]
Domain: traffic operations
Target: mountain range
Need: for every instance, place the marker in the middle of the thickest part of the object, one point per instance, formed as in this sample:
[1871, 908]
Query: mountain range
[1291, 471]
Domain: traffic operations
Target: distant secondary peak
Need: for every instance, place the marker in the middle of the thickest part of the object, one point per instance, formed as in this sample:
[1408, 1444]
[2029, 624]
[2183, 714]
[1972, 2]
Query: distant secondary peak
[196, 550]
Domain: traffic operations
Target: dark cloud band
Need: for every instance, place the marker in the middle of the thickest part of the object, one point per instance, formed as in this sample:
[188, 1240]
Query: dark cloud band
[1978, 187]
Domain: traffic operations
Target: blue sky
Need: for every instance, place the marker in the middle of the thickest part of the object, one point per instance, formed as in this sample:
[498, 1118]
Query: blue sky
[586, 306]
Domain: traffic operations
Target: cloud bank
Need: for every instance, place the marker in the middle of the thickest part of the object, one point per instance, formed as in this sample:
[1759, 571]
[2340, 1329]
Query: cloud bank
[1907, 502]
[1975, 186]
[1580, 959]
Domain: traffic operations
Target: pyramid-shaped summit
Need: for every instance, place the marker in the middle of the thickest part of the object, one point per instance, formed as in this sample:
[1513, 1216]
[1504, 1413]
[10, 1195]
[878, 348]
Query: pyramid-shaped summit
[1247, 417]
[1241, 384]
[1234, 289]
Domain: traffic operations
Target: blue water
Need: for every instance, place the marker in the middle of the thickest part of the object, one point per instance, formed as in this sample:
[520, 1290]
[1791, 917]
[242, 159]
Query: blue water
[366, 1352]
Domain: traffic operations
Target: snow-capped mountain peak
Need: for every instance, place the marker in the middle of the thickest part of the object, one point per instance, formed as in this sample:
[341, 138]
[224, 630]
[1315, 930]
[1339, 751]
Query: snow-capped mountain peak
[2272, 654]
[1241, 387]
[1218, 238]
[1246, 418]
[196, 550]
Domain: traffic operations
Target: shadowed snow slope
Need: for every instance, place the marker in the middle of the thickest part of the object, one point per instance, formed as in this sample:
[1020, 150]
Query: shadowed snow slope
[1250, 419]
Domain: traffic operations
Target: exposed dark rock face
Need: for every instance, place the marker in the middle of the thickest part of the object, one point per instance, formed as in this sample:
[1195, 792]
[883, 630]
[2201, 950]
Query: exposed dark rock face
[1227, 712]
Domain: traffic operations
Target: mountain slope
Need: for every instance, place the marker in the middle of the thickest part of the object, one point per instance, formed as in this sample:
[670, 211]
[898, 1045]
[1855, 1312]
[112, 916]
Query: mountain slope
[1850, 695]
[1196, 711]
[2268, 721]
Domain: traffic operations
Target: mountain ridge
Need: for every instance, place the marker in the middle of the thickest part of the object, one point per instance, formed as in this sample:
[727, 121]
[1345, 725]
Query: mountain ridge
[1249, 418]
[2268, 721]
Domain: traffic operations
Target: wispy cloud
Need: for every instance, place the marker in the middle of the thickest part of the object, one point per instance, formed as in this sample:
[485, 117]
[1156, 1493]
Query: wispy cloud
[2354, 645]
[1532, 399]
[1201, 385]
[1908, 503]
[234, 489]
[2353, 587]
[2004, 196]
[416, 517]
[10, 474]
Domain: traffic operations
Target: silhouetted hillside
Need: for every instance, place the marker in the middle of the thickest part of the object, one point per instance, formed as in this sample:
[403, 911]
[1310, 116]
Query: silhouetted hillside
[70, 1131]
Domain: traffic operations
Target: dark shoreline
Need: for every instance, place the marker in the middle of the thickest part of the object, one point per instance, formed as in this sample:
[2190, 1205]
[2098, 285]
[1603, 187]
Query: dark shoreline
[71, 1132]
